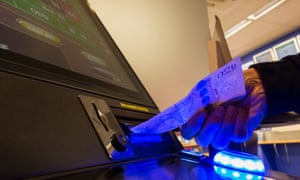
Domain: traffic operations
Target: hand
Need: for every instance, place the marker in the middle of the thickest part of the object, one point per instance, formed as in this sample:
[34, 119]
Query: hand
[233, 121]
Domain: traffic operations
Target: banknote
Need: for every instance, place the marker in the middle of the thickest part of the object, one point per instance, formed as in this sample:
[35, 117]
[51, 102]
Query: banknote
[223, 85]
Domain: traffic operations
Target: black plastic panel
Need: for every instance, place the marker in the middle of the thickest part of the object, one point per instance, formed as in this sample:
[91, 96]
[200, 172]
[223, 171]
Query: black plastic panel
[44, 129]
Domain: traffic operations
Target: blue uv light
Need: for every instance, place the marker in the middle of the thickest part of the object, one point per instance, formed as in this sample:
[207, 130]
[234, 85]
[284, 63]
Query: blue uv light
[142, 138]
[239, 161]
[235, 174]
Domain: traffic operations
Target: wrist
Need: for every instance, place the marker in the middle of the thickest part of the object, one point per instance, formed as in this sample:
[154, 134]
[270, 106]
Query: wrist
[251, 76]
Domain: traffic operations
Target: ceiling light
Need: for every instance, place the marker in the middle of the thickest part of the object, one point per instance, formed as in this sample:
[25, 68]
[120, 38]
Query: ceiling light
[237, 28]
[265, 9]
[252, 17]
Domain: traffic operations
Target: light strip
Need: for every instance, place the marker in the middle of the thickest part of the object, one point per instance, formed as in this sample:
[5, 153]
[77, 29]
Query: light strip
[264, 10]
[252, 17]
[237, 28]
[240, 161]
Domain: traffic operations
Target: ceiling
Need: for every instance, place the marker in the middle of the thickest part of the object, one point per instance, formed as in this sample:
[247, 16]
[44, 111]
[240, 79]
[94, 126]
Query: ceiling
[278, 22]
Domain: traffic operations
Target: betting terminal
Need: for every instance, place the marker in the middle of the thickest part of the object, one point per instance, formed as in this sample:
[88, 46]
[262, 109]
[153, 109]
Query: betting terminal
[69, 100]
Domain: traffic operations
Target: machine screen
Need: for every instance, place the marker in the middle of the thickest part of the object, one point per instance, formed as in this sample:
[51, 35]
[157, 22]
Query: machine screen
[62, 33]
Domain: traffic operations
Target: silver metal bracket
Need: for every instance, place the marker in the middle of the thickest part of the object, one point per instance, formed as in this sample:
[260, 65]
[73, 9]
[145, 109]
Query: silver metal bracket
[107, 128]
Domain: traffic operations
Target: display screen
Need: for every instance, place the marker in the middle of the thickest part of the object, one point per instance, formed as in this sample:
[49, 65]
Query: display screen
[65, 33]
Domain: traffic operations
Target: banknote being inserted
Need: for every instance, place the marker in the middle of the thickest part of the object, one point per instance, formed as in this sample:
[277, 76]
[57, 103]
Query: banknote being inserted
[225, 84]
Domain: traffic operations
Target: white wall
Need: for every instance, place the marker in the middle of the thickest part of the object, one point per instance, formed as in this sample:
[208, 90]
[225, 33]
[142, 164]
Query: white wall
[165, 41]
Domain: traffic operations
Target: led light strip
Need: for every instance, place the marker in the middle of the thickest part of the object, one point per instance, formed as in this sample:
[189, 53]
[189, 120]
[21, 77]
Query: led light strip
[234, 174]
[240, 161]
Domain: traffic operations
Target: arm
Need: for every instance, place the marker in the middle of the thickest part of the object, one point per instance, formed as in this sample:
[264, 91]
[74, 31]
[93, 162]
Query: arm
[281, 81]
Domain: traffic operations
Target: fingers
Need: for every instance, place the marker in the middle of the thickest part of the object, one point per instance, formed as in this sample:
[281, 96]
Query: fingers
[219, 127]
[222, 125]
[255, 101]
[240, 132]
[224, 134]
[210, 127]
[234, 123]
[257, 109]
[190, 129]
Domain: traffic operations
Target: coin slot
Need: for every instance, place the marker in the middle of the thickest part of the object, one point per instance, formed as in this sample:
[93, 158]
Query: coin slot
[114, 140]
[100, 115]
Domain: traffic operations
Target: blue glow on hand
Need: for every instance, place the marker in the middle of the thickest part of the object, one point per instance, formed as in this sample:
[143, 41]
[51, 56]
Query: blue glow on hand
[240, 161]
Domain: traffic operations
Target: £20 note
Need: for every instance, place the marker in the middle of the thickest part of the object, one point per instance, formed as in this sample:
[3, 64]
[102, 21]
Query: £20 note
[225, 84]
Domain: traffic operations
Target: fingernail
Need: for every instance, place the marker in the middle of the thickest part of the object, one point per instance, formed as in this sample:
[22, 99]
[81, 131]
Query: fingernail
[201, 84]
[206, 100]
[203, 92]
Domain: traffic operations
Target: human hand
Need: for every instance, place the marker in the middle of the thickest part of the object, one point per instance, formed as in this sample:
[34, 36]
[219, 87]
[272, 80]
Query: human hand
[225, 84]
[233, 121]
